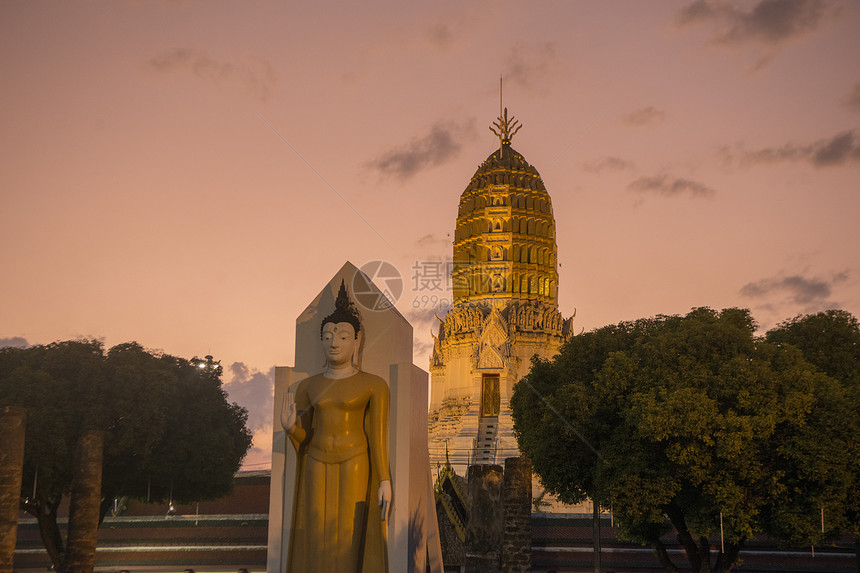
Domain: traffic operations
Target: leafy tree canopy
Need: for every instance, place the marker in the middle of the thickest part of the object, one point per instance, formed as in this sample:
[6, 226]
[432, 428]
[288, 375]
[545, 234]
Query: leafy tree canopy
[169, 430]
[682, 420]
[831, 341]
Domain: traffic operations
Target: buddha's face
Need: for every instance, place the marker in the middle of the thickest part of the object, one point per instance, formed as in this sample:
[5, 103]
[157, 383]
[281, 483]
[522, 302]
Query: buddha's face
[339, 342]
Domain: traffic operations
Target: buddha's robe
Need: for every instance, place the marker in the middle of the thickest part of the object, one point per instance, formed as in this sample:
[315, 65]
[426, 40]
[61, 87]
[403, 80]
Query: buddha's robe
[341, 438]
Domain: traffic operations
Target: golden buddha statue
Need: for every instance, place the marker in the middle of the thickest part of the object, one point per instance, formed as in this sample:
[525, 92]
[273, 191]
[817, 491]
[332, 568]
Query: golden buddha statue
[338, 423]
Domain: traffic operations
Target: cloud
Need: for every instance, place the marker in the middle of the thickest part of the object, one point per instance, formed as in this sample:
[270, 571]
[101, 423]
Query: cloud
[789, 294]
[423, 321]
[421, 349]
[14, 342]
[800, 289]
[769, 21]
[853, 99]
[530, 67]
[452, 25]
[260, 454]
[669, 186]
[254, 75]
[441, 145]
[441, 36]
[434, 240]
[608, 164]
[837, 150]
[644, 116]
[254, 390]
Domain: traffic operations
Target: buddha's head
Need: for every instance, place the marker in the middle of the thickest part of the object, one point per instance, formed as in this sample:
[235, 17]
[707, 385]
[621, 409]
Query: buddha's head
[339, 342]
[340, 330]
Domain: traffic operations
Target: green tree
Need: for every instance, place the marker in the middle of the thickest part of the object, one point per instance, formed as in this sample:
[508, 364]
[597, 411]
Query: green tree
[689, 423]
[831, 341]
[173, 435]
[57, 385]
[125, 423]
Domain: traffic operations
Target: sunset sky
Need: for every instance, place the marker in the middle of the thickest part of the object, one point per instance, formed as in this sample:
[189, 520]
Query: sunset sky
[190, 174]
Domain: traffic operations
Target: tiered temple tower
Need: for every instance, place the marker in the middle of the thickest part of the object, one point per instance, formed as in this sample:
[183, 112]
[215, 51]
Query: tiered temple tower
[505, 308]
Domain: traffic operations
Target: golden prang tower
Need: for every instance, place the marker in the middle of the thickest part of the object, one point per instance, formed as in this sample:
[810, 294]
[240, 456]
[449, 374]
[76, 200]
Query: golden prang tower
[505, 307]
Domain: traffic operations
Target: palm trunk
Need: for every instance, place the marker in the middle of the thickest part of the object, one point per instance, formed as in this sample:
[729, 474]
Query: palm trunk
[11, 470]
[85, 503]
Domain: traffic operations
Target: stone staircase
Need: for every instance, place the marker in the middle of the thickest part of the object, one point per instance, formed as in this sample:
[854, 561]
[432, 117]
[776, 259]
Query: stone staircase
[484, 450]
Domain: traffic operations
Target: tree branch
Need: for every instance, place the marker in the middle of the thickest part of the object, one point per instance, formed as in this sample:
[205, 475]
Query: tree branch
[663, 555]
[705, 554]
[46, 516]
[726, 561]
[676, 516]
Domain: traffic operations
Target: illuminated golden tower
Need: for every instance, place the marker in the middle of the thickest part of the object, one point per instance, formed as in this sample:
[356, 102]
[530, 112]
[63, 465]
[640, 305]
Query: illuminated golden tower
[505, 307]
[504, 243]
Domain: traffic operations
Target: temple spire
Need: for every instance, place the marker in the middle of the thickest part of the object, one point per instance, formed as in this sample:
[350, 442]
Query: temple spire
[506, 127]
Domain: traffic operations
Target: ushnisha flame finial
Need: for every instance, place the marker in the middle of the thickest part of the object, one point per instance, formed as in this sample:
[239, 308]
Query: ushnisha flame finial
[505, 128]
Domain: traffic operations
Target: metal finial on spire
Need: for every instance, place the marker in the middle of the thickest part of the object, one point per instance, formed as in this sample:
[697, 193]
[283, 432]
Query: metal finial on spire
[507, 128]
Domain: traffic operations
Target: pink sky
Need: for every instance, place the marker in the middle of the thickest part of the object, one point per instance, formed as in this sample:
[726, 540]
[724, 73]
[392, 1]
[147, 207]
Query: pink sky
[189, 174]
